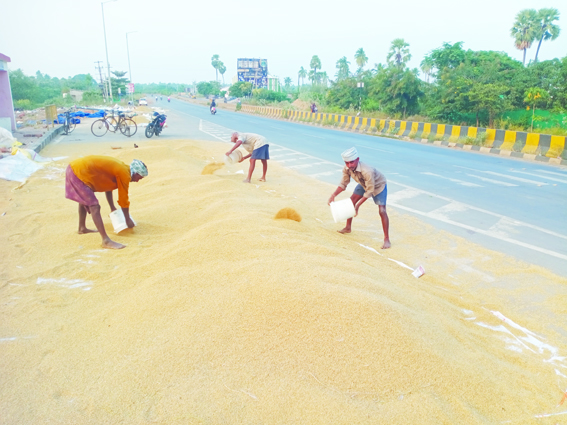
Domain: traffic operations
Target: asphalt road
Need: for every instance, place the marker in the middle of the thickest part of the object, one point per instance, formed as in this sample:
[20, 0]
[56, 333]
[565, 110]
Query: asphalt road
[509, 205]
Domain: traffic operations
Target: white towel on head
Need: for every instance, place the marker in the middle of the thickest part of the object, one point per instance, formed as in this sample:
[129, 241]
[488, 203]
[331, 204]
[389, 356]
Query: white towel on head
[350, 155]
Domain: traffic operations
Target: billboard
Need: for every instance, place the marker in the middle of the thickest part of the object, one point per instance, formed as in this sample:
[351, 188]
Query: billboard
[253, 71]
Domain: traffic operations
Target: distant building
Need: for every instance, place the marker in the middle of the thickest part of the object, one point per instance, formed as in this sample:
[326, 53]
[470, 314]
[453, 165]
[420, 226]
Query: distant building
[7, 118]
[274, 83]
[253, 71]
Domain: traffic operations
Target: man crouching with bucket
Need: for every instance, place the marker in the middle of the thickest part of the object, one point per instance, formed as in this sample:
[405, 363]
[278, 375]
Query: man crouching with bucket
[371, 184]
[90, 174]
[259, 149]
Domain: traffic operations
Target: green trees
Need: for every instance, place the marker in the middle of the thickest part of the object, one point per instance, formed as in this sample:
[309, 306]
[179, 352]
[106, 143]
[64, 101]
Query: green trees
[301, 74]
[531, 25]
[241, 89]
[361, 59]
[488, 97]
[535, 96]
[222, 70]
[399, 53]
[287, 83]
[217, 64]
[119, 82]
[207, 88]
[523, 30]
[545, 29]
[315, 64]
[34, 91]
[342, 68]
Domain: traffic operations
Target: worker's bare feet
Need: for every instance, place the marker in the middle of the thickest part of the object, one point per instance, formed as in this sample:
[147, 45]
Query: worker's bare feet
[345, 230]
[263, 179]
[85, 230]
[246, 181]
[109, 244]
[386, 244]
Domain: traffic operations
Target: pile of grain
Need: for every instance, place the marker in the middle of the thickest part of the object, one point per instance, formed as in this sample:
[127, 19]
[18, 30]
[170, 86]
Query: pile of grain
[217, 313]
[289, 214]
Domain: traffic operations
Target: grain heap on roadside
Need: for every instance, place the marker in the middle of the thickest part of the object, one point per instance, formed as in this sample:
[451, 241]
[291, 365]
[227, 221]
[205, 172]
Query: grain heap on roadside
[216, 313]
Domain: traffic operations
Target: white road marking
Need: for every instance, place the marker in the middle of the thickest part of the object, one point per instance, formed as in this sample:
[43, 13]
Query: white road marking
[493, 181]
[515, 178]
[307, 165]
[461, 182]
[552, 172]
[497, 231]
[374, 149]
[543, 177]
[493, 234]
[310, 135]
[326, 173]
[503, 175]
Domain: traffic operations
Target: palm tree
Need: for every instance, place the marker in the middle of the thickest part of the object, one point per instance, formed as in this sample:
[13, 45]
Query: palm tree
[546, 30]
[287, 82]
[301, 74]
[323, 78]
[427, 66]
[342, 68]
[524, 30]
[215, 62]
[399, 53]
[315, 63]
[361, 59]
[222, 70]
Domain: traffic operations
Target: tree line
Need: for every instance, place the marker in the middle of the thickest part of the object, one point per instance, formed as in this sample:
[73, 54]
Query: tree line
[456, 86]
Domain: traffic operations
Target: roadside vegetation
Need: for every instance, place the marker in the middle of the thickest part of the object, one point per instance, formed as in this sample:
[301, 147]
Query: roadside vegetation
[453, 85]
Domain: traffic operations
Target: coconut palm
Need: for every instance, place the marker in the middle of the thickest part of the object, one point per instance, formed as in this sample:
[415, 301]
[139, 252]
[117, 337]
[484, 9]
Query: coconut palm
[427, 66]
[342, 68]
[215, 62]
[287, 82]
[315, 63]
[524, 30]
[222, 70]
[323, 78]
[546, 30]
[361, 59]
[399, 53]
[301, 74]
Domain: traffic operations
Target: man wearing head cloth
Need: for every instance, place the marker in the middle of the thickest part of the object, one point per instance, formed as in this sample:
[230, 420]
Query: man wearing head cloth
[371, 184]
[90, 174]
[258, 148]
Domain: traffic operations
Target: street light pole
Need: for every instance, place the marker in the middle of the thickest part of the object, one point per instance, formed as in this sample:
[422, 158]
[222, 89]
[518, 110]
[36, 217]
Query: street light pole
[106, 48]
[129, 68]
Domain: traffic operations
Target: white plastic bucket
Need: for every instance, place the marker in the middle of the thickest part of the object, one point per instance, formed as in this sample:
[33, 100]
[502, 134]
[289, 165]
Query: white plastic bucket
[233, 158]
[342, 210]
[118, 220]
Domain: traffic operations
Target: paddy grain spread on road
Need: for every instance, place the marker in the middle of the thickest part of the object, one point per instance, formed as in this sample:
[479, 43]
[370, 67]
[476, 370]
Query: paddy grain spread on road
[217, 312]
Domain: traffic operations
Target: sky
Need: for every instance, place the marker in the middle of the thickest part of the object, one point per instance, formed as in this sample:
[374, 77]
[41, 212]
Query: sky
[173, 40]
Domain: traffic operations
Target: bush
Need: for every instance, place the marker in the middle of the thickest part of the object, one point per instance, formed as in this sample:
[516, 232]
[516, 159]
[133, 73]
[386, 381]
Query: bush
[24, 104]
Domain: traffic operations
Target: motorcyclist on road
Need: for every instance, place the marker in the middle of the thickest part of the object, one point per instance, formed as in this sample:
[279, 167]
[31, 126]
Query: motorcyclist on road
[168, 99]
[213, 104]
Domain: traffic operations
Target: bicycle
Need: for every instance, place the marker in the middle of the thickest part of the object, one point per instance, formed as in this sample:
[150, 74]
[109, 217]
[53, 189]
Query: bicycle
[68, 123]
[124, 124]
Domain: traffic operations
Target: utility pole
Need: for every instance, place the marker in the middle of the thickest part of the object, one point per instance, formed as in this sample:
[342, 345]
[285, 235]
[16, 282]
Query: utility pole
[129, 68]
[101, 80]
[106, 48]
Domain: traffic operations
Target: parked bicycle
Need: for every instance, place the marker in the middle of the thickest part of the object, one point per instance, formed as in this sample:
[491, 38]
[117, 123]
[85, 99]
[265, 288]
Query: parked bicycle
[68, 123]
[156, 126]
[125, 124]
